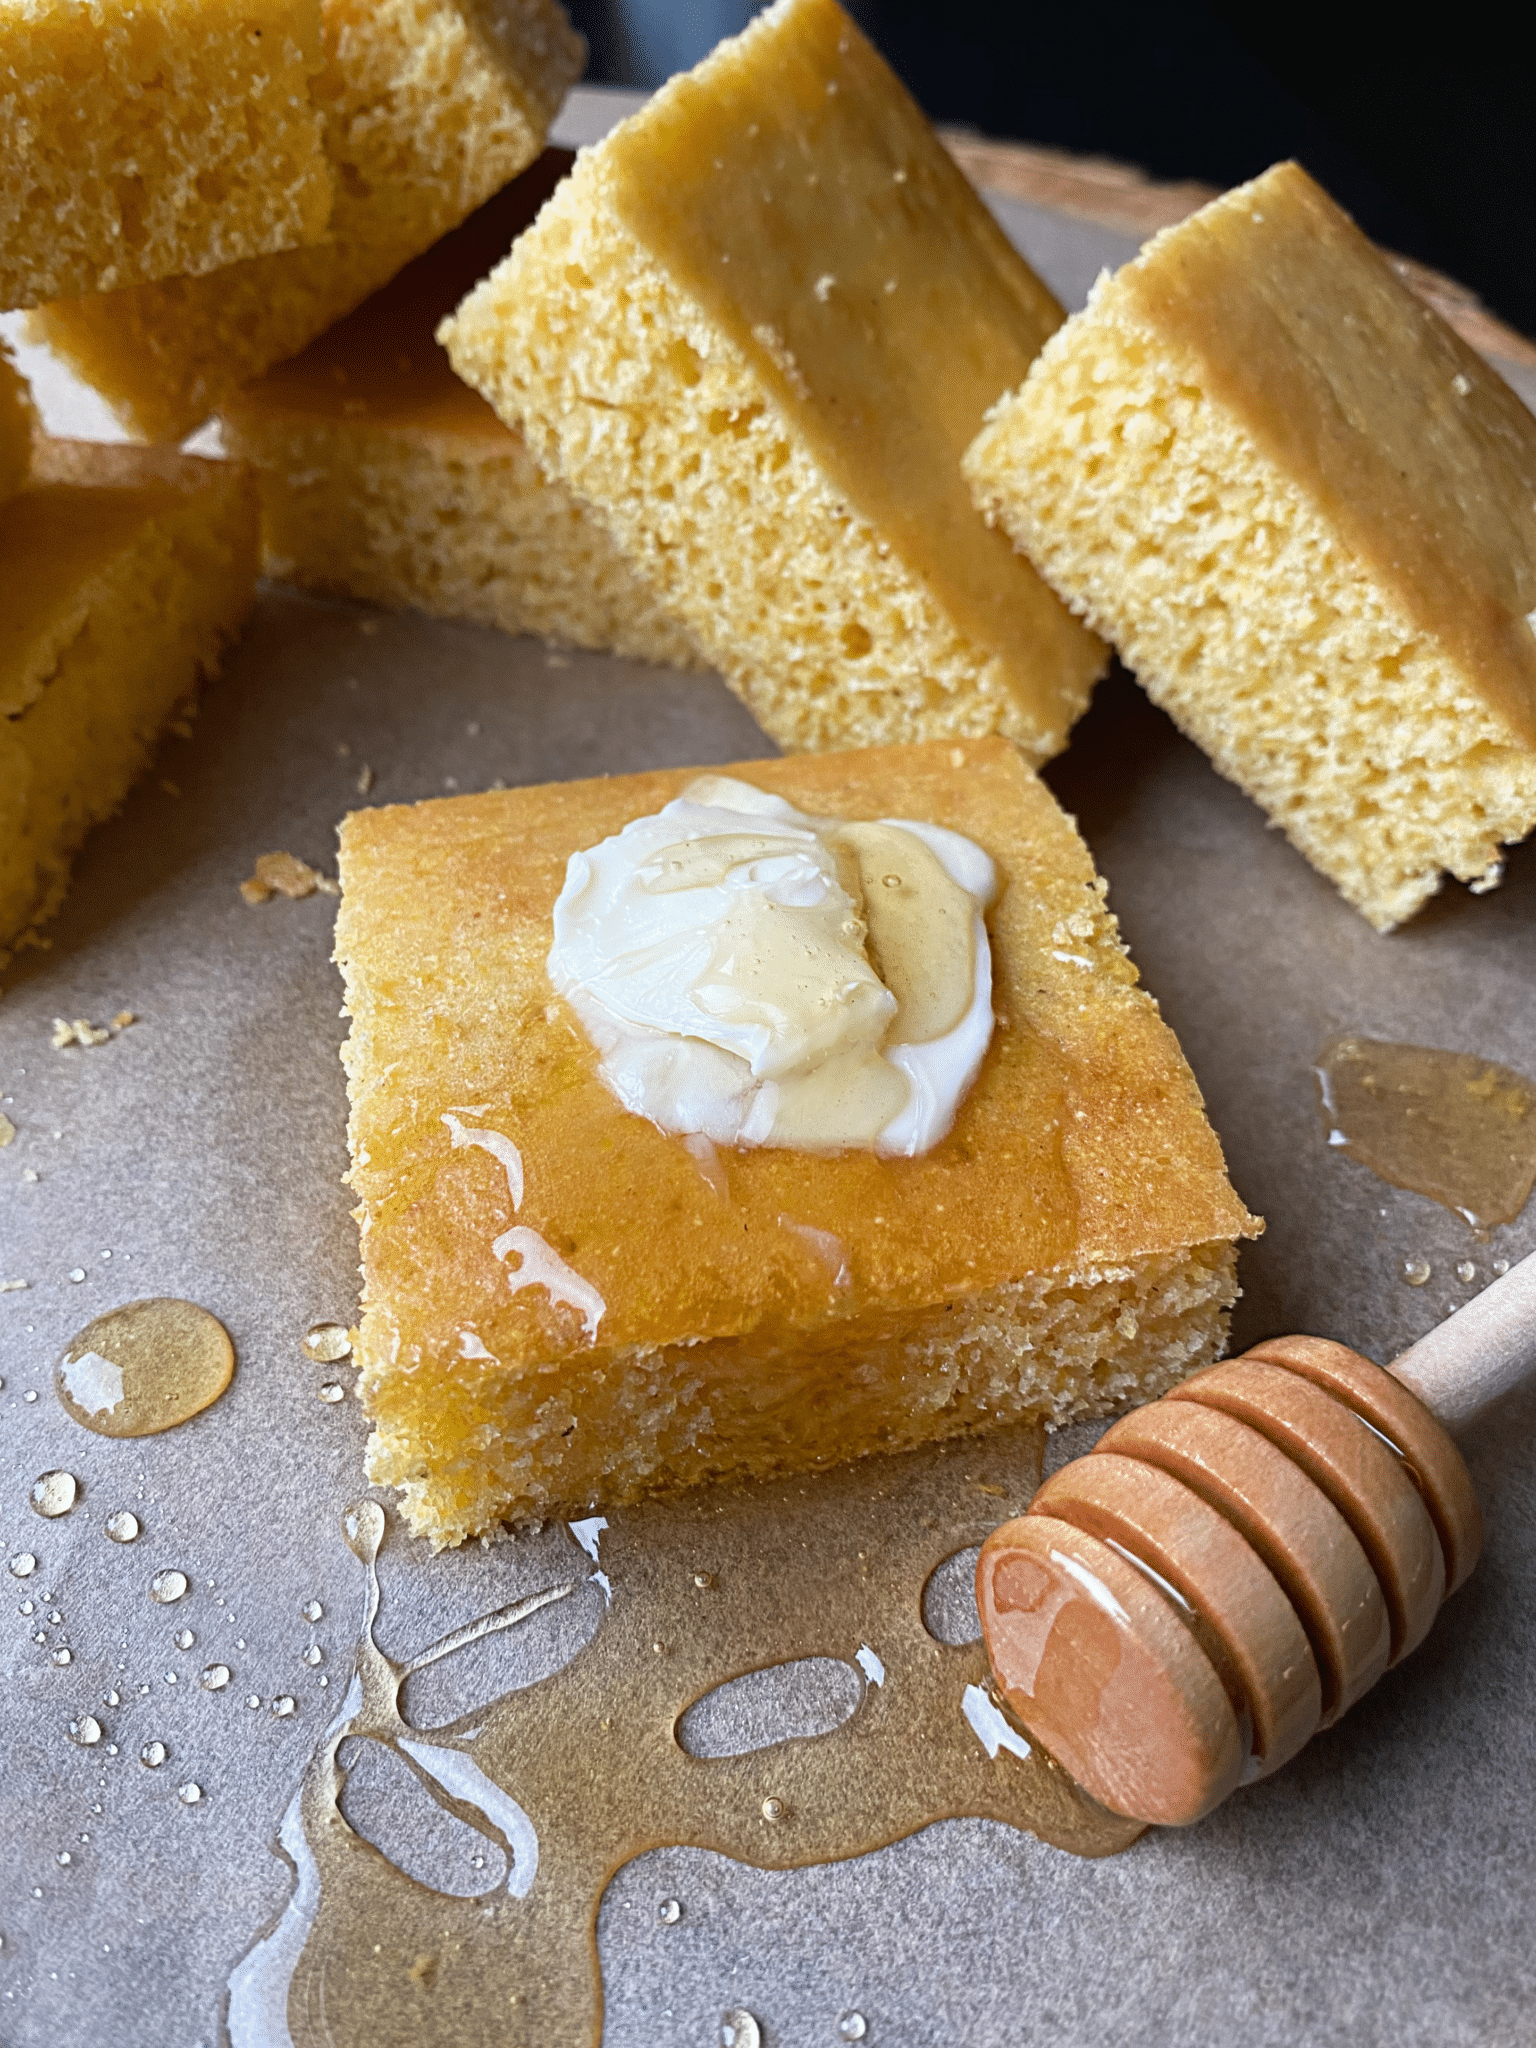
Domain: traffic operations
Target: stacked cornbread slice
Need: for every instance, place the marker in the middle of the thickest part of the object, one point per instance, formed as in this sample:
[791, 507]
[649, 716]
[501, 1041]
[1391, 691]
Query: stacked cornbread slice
[146, 138]
[429, 106]
[384, 477]
[1304, 511]
[756, 329]
[125, 573]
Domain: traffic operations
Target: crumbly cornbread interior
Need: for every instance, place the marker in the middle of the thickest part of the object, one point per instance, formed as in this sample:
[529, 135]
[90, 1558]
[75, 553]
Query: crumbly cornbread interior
[18, 421]
[127, 571]
[384, 477]
[1068, 1248]
[153, 138]
[430, 106]
[1304, 511]
[756, 329]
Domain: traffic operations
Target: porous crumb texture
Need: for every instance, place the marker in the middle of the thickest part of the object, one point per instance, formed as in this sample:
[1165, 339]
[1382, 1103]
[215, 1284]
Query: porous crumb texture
[781, 462]
[18, 420]
[149, 138]
[1274, 606]
[1065, 1248]
[452, 517]
[429, 106]
[128, 571]
[464, 1445]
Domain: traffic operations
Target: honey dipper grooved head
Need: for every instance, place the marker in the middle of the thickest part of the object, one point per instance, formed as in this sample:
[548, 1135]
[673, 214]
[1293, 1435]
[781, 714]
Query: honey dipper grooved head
[1229, 1569]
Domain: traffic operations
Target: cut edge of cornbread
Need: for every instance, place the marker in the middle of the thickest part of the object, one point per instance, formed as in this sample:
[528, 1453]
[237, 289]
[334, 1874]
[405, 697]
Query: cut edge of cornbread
[686, 437]
[456, 525]
[430, 106]
[1232, 591]
[161, 616]
[166, 139]
[1058, 1347]
[18, 424]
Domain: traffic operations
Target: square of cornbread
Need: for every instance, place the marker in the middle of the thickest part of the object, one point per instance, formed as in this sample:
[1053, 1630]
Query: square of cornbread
[430, 106]
[757, 328]
[1305, 513]
[18, 421]
[1067, 1248]
[126, 571]
[384, 477]
[151, 137]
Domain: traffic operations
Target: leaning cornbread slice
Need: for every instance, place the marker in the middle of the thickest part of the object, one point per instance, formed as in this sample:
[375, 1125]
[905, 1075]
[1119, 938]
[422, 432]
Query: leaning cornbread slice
[757, 328]
[430, 106]
[1305, 513]
[18, 421]
[676, 1313]
[384, 477]
[125, 571]
[154, 137]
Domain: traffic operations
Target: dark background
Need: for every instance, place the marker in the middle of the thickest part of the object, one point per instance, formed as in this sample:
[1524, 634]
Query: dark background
[1427, 135]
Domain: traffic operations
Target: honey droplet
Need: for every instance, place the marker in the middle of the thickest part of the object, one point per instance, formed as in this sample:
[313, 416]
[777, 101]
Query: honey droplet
[1465, 1271]
[283, 1706]
[312, 1610]
[313, 1655]
[123, 1526]
[1416, 1271]
[327, 1343]
[55, 1493]
[144, 1368]
[215, 1677]
[363, 1527]
[86, 1732]
[738, 2029]
[153, 1755]
[1448, 1125]
[184, 1639]
[62, 1656]
[190, 1793]
[852, 2027]
[773, 1809]
[23, 1565]
[332, 1392]
[1500, 1268]
[668, 1912]
[168, 1586]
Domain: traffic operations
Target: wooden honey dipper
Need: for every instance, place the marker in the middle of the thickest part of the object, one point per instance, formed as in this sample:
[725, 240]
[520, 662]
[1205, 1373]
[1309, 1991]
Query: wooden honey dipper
[1232, 1566]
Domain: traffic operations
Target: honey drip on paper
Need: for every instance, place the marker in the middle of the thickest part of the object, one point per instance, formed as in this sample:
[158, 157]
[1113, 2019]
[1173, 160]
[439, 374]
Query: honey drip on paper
[1445, 1124]
[569, 1778]
[144, 1368]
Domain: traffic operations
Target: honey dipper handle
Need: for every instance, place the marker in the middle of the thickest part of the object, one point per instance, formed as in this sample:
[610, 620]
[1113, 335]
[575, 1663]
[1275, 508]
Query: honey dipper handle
[1481, 1352]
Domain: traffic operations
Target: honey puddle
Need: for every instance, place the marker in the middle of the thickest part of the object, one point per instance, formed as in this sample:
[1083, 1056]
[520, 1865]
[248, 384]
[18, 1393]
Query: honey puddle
[1444, 1124]
[569, 1778]
[144, 1368]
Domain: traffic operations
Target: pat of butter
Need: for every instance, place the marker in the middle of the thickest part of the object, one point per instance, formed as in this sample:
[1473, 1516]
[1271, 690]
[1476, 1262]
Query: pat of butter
[758, 976]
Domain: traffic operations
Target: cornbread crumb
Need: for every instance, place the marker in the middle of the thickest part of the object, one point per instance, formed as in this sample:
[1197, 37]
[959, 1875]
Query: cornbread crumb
[430, 106]
[284, 874]
[14, 1286]
[781, 465]
[7, 1129]
[1305, 513]
[155, 138]
[123, 1019]
[80, 1032]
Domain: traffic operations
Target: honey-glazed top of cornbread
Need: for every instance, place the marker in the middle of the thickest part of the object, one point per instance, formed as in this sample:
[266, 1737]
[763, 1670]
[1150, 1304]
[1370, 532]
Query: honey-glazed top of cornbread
[792, 188]
[1422, 457]
[1082, 1144]
[380, 366]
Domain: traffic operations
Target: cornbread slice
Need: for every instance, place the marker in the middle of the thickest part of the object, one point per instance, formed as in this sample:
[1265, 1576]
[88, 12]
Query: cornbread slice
[142, 138]
[384, 477]
[430, 106]
[126, 571]
[18, 419]
[757, 328]
[1067, 1248]
[1305, 513]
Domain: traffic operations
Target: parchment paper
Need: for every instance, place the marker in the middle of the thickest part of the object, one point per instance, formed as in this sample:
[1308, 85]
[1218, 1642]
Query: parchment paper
[1379, 1890]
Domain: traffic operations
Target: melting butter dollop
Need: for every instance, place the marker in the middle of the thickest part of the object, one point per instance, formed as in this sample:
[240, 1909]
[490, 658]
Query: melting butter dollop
[758, 976]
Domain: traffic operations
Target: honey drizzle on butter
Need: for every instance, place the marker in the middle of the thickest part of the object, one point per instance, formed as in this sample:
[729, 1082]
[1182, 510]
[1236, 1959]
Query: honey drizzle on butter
[701, 1589]
[1459, 1129]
